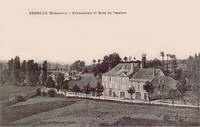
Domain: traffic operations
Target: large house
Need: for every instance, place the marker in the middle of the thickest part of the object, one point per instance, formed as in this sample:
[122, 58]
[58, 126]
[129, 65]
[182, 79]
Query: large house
[117, 81]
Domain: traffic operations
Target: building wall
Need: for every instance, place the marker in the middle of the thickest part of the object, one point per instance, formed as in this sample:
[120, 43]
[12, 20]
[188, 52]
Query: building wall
[118, 86]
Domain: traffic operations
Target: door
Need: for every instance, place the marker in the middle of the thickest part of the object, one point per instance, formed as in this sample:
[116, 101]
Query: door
[145, 96]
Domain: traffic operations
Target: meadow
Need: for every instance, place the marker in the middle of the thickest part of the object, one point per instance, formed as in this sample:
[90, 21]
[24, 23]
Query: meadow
[45, 111]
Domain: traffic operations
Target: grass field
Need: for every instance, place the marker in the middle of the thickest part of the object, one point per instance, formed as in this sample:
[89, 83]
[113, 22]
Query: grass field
[9, 91]
[44, 111]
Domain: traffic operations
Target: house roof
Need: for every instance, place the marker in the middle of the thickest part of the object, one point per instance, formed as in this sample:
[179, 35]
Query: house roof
[165, 80]
[144, 74]
[125, 68]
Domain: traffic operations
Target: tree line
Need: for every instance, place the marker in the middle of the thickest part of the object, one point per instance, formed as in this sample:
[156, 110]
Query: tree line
[25, 73]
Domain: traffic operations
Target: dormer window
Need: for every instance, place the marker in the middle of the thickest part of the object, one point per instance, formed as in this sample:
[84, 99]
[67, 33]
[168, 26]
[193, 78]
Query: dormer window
[144, 74]
[123, 74]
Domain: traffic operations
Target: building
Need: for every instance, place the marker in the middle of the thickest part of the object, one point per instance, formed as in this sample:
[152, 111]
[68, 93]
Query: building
[162, 85]
[139, 79]
[117, 81]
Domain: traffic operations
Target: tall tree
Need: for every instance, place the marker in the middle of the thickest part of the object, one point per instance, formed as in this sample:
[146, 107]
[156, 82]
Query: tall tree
[76, 89]
[44, 72]
[125, 58]
[50, 83]
[144, 60]
[162, 55]
[149, 88]
[167, 61]
[30, 72]
[94, 61]
[66, 85]
[16, 71]
[99, 60]
[10, 70]
[196, 91]
[23, 72]
[60, 79]
[99, 89]
[78, 66]
[131, 91]
[173, 94]
[109, 62]
[182, 88]
[36, 73]
[87, 89]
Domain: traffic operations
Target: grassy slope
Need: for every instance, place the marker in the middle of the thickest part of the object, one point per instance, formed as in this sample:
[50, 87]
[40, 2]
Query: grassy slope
[31, 107]
[91, 112]
[86, 78]
[8, 91]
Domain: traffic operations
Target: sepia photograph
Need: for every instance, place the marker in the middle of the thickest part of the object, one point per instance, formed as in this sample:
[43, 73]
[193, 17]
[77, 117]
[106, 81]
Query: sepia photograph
[89, 63]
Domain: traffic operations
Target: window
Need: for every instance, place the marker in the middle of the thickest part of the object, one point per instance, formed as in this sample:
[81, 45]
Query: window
[122, 94]
[123, 87]
[163, 81]
[162, 87]
[158, 87]
[110, 92]
[109, 78]
[138, 86]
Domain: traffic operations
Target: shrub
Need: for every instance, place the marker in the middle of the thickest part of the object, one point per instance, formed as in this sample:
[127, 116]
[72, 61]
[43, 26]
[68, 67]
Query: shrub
[44, 93]
[38, 92]
[23, 84]
[51, 93]
[19, 98]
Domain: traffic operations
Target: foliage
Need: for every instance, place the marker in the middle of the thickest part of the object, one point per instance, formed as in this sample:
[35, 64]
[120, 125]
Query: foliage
[75, 89]
[99, 89]
[108, 62]
[44, 93]
[66, 85]
[149, 88]
[19, 98]
[32, 73]
[131, 91]
[87, 89]
[163, 55]
[125, 58]
[44, 72]
[196, 91]
[16, 71]
[182, 88]
[156, 63]
[59, 80]
[52, 93]
[38, 92]
[78, 66]
[173, 94]
[50, 83]
[144, 58]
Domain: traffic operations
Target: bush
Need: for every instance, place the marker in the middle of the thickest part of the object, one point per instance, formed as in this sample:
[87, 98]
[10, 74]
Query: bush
[19, 98]
[51, 93]
[38, 92]
[23, 84]
[43, 93]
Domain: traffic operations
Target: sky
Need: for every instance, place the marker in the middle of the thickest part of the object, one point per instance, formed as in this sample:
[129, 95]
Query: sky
[149, 26]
